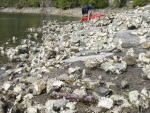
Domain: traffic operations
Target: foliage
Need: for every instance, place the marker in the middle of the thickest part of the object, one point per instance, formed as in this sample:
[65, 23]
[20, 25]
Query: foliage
[102, 3]
[119, 3]
[139, 2]
[69, 3]
[64, 3]
[95, 3]
[83, 2]
[20, 3]
[34, 3]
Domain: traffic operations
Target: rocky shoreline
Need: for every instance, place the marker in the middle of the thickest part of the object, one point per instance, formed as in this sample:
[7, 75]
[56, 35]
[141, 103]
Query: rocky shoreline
[75, 12]
[99, 66]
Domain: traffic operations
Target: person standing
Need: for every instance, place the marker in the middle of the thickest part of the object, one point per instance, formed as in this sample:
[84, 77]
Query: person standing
[87, 11]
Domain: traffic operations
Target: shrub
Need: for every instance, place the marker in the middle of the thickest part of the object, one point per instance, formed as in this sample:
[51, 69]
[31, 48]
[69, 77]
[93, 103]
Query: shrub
[83, 2]
[64, 3]
[102, 3]
[119, 3]
[139, 2]
[34, 3]
[95, 3]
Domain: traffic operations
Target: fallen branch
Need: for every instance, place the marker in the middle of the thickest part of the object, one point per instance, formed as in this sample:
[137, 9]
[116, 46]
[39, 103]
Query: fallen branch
[74, 97]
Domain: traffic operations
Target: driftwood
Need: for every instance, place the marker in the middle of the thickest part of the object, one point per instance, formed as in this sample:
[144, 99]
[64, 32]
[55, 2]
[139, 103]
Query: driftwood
[74, 97]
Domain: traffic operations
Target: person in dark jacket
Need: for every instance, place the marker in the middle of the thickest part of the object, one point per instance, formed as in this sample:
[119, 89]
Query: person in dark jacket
[87, 10]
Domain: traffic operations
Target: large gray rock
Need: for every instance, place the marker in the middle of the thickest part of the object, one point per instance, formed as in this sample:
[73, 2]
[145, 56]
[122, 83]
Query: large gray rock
[127, 39]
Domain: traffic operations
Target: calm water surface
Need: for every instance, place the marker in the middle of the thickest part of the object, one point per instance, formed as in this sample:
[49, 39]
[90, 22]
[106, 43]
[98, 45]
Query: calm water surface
[16, 24]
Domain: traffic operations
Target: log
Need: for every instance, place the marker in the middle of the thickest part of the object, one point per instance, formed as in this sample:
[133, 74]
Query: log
[74, 97]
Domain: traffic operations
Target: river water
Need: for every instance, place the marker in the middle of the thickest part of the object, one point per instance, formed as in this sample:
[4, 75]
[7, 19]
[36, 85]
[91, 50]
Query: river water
[16, 25]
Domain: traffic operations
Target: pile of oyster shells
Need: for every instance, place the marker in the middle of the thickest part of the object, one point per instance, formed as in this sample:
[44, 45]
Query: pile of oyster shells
[97, 44]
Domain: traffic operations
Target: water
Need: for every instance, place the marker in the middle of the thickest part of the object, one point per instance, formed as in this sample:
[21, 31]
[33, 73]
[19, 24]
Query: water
[16, 25]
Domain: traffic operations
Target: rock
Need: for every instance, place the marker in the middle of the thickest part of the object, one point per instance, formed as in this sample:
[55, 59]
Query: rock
[6, 85]
[81, 92]
[146, 72]
[146, 45]
[105, 103]
[142, 57]
[117, 68]
[120, 102]
[39, 86]
[58, 104]
[90, 84]
[148, 54]
[49, 106]
[53, 84]
[2, 107]
[32, 109]
[128, 40]
[124, 84]
[104, 91]
[71, 105]
[92, 62]
[96, 110]
[74, 70]
[134, 97]
[145, 92]
[129, 60]
[138, 99]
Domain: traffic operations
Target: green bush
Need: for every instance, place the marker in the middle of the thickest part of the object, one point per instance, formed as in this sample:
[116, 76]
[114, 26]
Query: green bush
[139, 2]
[34, 3]
[21, 3]
[64, 3]
[119, 3]
[95, 3]
[101, 3]
[83, 2]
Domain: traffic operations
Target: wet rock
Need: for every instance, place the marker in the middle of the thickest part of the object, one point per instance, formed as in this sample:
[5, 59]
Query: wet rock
[104, 91]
